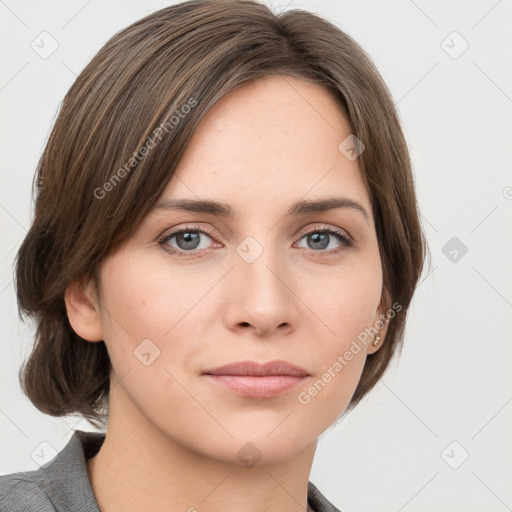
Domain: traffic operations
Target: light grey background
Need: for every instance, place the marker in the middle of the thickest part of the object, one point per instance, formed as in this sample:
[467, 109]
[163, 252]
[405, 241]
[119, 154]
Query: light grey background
[453, 383]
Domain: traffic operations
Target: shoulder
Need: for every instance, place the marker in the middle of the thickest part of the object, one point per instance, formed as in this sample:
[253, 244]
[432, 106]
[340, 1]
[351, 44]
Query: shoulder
[62, 484]
[24, 492]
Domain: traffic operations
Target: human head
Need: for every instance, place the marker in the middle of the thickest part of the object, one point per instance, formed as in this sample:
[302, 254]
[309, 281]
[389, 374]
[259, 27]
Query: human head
[160, 71]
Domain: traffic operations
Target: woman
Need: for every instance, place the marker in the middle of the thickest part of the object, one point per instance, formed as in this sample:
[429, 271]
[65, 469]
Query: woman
[225, 246]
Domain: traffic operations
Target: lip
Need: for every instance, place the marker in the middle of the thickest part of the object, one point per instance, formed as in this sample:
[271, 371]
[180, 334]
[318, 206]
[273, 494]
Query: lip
[253, 368]
[255, 380]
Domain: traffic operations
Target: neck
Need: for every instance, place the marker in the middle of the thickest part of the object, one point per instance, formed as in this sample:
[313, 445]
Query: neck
[139, 467]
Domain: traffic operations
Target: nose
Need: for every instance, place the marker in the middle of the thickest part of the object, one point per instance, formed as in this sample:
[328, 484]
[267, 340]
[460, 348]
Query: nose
[262, 295]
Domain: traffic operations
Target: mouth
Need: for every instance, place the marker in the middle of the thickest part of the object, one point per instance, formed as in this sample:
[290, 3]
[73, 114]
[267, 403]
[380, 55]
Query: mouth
[254, 380]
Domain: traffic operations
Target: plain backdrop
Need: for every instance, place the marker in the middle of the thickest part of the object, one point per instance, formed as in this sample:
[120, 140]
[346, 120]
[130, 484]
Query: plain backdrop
[434, 435]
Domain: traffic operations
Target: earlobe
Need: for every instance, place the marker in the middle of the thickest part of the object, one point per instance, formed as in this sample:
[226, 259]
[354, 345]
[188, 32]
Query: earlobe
[83, 310]
[381, 324]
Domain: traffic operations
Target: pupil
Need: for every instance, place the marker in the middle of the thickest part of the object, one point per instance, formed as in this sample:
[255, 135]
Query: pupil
[322, 237]
[189, 241]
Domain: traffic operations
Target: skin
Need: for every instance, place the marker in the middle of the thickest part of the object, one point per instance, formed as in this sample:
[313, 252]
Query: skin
[260, 149]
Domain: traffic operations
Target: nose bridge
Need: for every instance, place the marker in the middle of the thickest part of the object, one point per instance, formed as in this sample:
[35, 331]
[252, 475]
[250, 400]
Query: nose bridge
[263, 298]
[260, 263]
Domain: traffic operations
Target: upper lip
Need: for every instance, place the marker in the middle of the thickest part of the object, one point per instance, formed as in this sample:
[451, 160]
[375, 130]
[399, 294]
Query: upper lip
[277, 367]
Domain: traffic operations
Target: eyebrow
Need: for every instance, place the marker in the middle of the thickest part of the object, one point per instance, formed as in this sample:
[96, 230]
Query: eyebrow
[225, 210]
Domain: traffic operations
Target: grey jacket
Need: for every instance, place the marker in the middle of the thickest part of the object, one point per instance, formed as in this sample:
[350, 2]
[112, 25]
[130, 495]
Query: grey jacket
[63, 485]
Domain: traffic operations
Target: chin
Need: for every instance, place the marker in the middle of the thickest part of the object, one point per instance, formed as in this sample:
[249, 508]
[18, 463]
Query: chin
[267, 443]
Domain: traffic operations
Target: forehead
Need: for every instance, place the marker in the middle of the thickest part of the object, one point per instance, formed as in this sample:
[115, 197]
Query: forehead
[272, 141]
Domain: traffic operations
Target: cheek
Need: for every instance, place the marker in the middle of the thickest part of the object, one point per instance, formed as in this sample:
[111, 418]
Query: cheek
[347, 300]
[129, 315]
[148, 310]
[347, 307]
[142, 300]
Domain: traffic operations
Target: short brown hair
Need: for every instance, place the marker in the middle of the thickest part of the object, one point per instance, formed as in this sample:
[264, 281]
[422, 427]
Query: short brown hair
[196, 51]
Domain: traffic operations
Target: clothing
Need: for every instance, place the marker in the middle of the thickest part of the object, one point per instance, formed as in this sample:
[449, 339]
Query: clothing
[63, 485]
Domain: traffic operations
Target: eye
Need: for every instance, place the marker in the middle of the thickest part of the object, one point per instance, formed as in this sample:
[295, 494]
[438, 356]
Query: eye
[319, 239]
[191, 240]
[185, 240]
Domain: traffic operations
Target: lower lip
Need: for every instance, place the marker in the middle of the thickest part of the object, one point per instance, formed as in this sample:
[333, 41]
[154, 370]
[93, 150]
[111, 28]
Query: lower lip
[257, 387]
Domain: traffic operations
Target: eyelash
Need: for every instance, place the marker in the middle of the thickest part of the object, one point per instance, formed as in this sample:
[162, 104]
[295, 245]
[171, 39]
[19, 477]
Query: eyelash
[346, 242]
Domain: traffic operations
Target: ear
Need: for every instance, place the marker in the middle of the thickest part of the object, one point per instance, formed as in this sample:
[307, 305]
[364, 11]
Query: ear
[381, 321]
[83, 309]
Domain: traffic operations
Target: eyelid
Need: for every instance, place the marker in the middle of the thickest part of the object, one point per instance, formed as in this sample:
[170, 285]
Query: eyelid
[328, 228]
[188, 227]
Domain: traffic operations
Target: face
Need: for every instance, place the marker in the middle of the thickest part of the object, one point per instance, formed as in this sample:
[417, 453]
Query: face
[192, 291]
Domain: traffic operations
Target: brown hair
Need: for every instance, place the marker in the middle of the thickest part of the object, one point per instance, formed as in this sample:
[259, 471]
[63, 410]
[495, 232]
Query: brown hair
[140, 82]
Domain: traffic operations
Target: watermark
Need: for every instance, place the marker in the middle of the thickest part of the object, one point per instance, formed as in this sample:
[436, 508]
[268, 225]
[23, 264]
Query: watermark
[249, 249]
[44, 454]
[304, 397]
[454, 45]
[351, 147]
[146, 352]
[151, 142]
[45, 45]
[249, 454]
[455, 455]
[454, 249]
